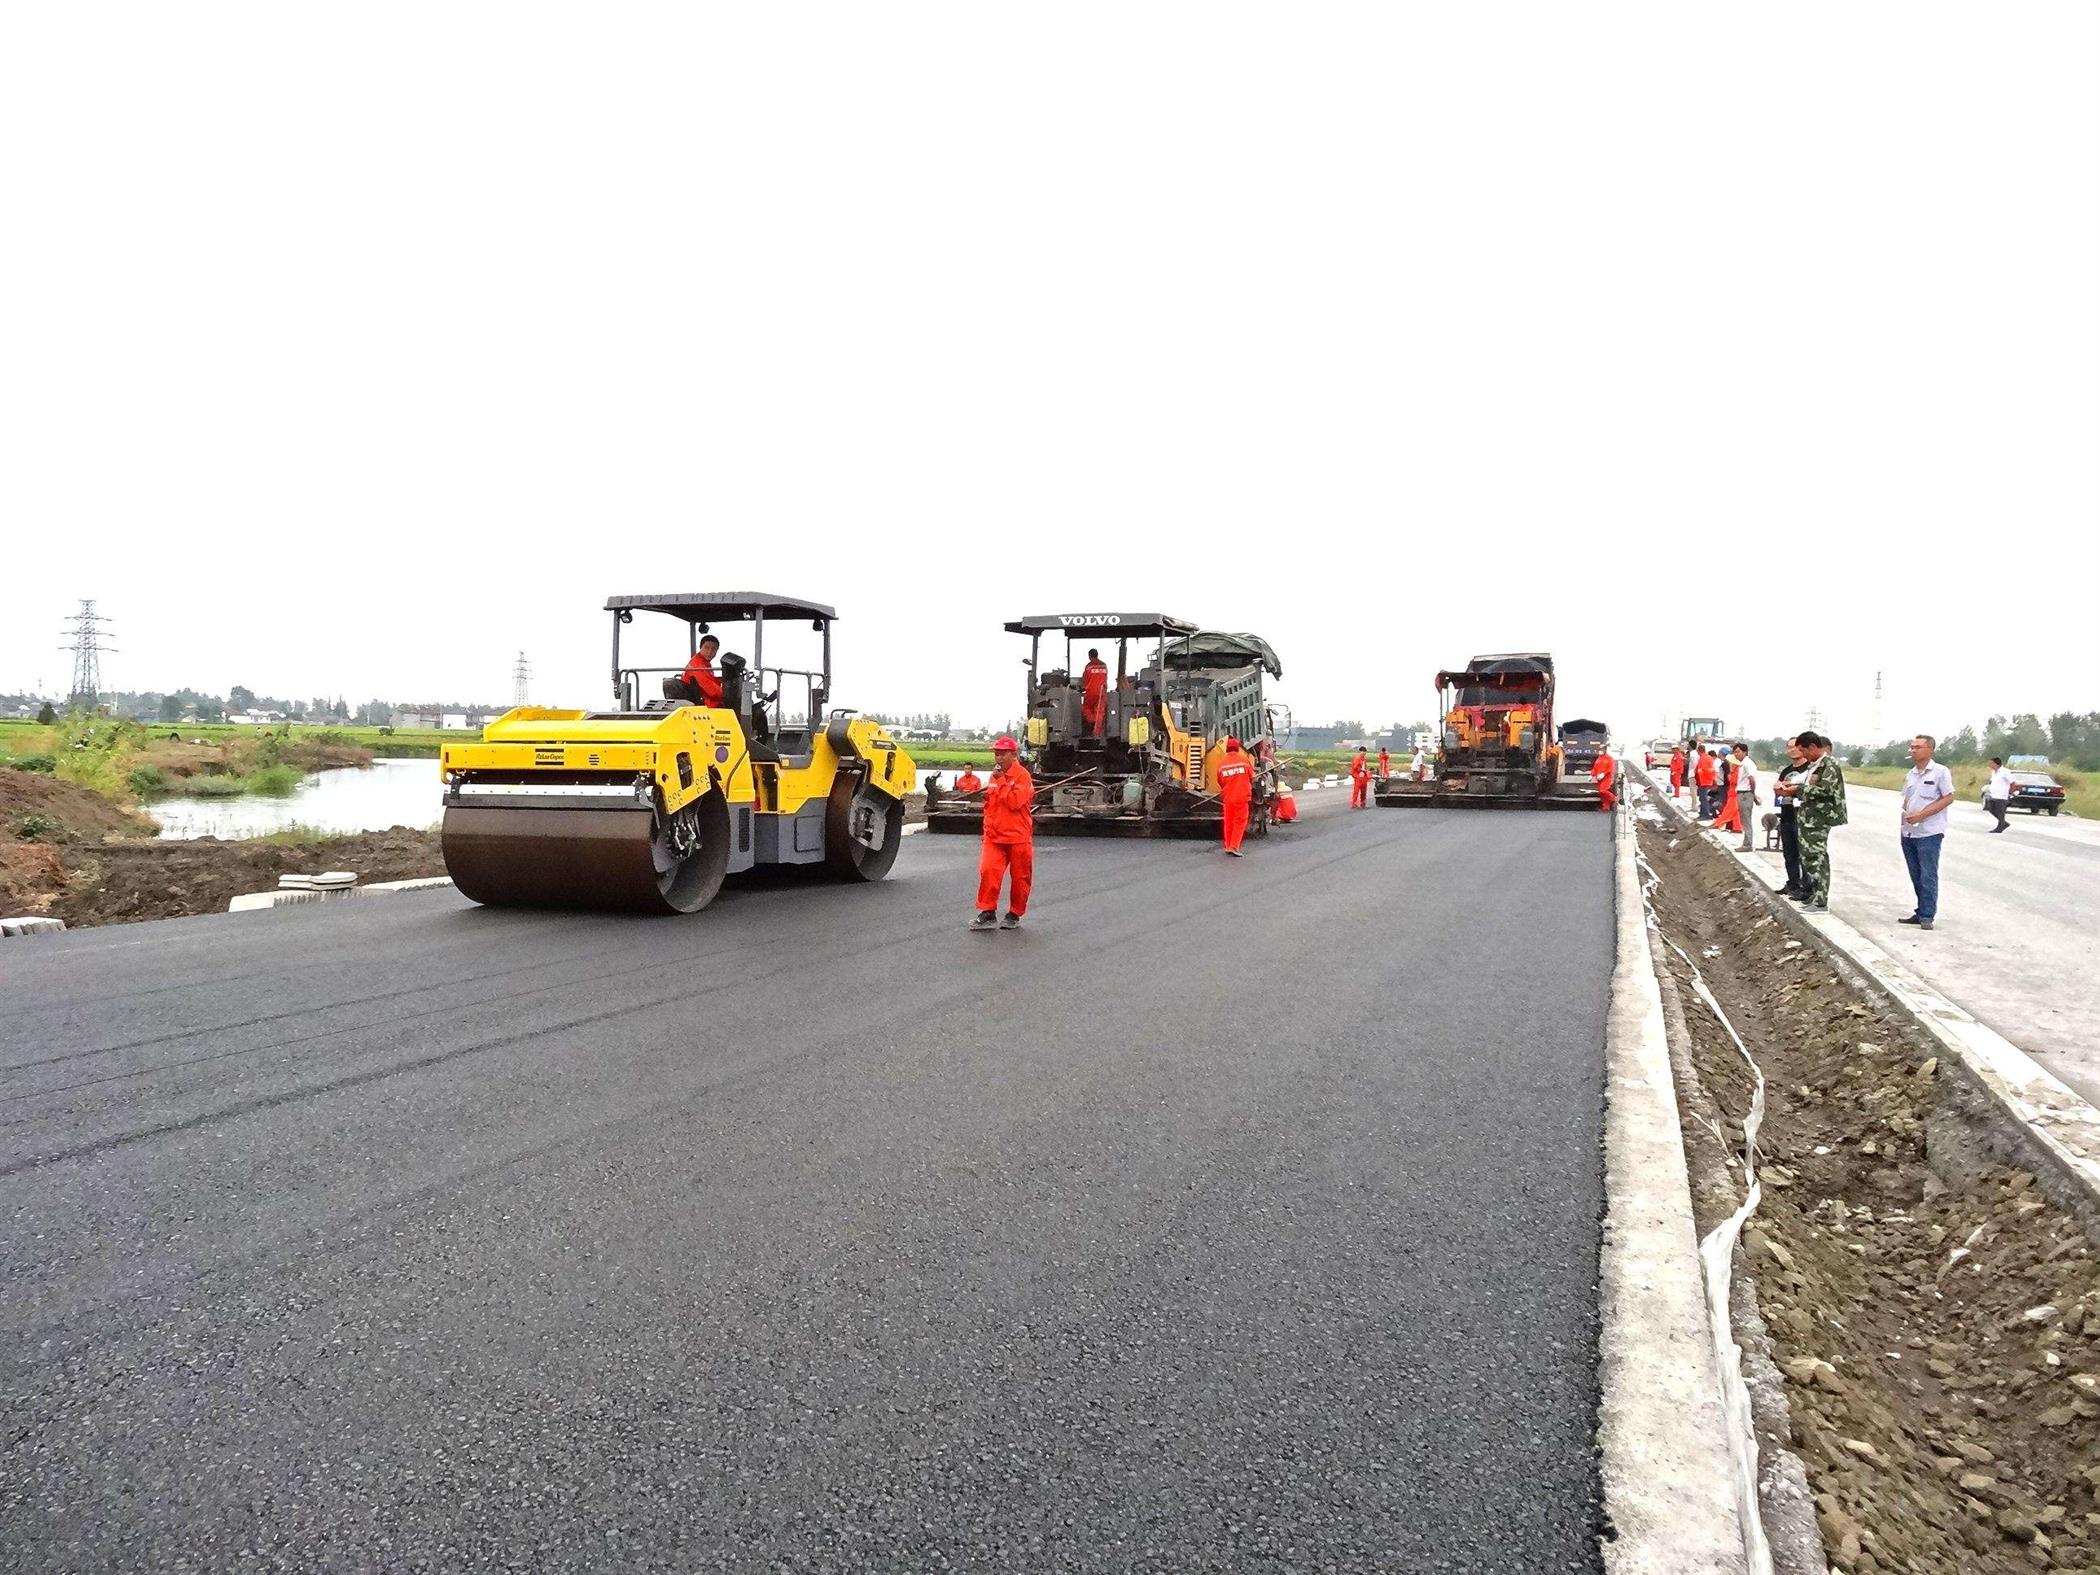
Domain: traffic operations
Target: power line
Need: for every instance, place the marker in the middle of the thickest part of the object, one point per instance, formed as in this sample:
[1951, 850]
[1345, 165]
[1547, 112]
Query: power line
[521, 681]
[84, 632]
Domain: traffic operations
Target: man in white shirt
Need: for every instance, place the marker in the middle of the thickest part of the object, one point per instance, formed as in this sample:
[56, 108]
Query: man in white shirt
[1745, 791]
[1997, 793]
[1927, 791]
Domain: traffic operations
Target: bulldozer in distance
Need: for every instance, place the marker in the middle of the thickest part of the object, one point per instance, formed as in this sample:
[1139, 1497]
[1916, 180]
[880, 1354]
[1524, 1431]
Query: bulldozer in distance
[649, 806]
[1499, 749]
[1146, 765]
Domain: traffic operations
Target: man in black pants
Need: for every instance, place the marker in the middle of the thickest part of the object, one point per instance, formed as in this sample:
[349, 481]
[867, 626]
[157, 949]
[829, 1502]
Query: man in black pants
[1997, 793]
[1789, 832]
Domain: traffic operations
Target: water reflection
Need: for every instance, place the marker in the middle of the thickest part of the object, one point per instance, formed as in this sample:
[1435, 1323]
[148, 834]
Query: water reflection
[387, 793]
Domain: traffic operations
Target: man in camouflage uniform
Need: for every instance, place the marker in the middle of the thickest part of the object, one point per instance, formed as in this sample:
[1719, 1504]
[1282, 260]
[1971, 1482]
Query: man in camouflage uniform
[1819, 794]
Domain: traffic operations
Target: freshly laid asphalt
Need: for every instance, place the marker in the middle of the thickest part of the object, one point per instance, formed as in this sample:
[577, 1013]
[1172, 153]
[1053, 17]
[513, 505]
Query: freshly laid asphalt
[1232, 1215]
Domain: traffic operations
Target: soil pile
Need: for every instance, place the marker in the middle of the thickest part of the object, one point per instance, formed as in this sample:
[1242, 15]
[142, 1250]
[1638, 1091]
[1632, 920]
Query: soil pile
[120, 883]
[1941, 1345]
[39, 808]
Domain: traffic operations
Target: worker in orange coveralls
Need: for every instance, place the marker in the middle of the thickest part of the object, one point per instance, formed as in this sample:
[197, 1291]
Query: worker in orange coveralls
[699, 674]
[1359, 780]
[1236, 790]
[1385, 763]
[1677, 771]
[1604, 771]
[1009, 840]
[969, 781]
[1731, 816]
[1703, 779]
[1093, 694]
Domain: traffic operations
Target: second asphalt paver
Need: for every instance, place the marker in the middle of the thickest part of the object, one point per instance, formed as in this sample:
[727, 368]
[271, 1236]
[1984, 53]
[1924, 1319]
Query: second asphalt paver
[1235, 1215]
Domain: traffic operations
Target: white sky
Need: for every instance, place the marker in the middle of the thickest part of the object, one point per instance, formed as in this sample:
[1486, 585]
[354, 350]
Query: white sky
[1730, 354]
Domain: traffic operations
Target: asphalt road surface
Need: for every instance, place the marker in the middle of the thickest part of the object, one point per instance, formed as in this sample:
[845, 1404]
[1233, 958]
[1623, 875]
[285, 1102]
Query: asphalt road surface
[1233, 1215]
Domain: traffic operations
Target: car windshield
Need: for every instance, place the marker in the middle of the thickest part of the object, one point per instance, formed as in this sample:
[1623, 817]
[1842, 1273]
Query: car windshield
[2033, 779]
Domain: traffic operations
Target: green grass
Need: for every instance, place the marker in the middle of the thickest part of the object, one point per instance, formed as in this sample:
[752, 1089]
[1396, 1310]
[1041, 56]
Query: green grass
[2081, 788]
[30, 738]
[275, 781]
[296, 835]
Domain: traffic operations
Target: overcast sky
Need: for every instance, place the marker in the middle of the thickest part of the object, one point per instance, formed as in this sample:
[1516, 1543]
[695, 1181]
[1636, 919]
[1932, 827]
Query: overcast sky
[1729, 354]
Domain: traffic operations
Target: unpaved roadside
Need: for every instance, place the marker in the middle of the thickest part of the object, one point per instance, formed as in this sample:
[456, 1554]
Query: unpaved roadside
[1941, 1345]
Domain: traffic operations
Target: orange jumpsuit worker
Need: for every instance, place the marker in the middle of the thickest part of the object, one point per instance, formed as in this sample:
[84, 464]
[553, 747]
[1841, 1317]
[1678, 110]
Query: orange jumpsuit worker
[1604, 771]
[1359, 781]
[969, 782]
[1093, 694]
[1703, 779]
[1385, 765]
[1009, 840]
[1731, 816]
[1236, 789]
[699, 673]
[1677, 771]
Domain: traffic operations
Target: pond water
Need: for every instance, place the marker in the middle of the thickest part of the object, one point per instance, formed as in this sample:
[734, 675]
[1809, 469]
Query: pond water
[387, 793]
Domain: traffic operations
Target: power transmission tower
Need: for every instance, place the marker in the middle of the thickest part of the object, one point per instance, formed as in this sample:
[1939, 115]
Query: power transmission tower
[1815, 719]
[84, 631]
[521, 681]
[1874, 738]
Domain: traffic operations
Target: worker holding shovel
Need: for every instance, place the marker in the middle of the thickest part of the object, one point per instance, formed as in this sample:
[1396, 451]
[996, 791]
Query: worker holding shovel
[1235, 793]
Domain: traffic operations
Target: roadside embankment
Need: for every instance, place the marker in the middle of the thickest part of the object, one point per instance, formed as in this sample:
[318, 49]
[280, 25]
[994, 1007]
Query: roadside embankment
[1938, 1329]
[68, 852]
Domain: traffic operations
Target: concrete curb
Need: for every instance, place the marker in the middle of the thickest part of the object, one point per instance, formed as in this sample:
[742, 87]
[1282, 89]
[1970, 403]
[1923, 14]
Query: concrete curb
[1669, 1485]
[251, 901]
[31, 924]
[1996, 1099]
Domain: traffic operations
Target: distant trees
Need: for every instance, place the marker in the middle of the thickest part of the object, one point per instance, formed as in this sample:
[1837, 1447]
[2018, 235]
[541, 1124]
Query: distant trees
[47, 714]
[2068, 738]
[241, 698]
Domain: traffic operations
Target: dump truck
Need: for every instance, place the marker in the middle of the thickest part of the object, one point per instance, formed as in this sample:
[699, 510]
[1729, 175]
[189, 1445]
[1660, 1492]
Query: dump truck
[1498, 748]
[650, 805]
[1148, 767]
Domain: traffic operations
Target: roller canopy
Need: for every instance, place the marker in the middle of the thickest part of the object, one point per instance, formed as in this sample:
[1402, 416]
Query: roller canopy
[711, 606]
[1582, 724]
[1113, 626]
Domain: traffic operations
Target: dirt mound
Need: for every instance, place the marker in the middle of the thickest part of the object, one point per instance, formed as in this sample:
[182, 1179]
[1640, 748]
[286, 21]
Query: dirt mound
[30, 876]
[67, 812]
[1941, 1345]
[121, 883]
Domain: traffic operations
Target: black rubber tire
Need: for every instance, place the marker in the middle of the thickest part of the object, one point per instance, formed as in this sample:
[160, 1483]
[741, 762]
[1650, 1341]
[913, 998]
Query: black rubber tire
[691, 884]
[846, 858]
[2052, 811]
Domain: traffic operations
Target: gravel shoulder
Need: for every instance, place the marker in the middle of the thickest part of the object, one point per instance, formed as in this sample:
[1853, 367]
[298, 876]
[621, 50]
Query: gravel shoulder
[1940, 1342]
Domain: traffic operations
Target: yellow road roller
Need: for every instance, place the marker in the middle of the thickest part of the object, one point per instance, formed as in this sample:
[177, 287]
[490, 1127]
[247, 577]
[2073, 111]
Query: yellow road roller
[649, 806]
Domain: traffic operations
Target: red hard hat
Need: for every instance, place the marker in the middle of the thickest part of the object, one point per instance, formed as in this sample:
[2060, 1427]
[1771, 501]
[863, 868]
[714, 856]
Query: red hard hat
[1232, 743]
[1005, 741]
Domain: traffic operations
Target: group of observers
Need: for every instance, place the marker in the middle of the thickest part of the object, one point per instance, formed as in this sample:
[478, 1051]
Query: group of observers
[1809, 791]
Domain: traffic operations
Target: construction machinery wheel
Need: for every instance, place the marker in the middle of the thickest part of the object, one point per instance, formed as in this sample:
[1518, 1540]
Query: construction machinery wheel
[588, 858]
[853, 805]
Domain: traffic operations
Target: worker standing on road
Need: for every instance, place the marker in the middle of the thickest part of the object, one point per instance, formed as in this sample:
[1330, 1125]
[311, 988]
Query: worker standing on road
[1093, 694]
[1360, 779]
[1604, 771]
[969, 781]
[1677, 772]
[1418, 767]
[1744, 792]
[1236, 791]
[1385, 764]
[1789, 825]
[1997, 793]
[1009, 840]
[1703, 780]
[699, 674]
[1928, 792]
[1819, 791]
